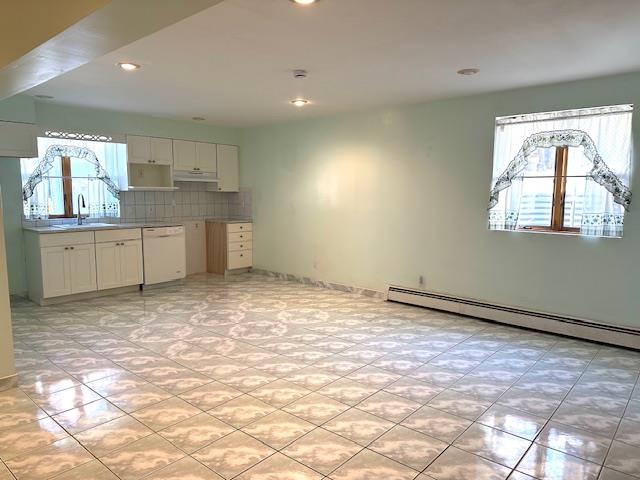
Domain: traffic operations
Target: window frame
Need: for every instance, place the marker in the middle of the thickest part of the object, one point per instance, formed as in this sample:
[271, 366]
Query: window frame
[67, 189]
[559, 194]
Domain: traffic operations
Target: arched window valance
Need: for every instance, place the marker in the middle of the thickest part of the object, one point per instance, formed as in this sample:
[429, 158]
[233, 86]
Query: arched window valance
[600, 172]
[55, 151]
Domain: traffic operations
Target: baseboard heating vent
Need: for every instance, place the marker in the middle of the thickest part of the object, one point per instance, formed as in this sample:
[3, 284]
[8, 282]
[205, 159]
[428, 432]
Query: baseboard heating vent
[545, 322]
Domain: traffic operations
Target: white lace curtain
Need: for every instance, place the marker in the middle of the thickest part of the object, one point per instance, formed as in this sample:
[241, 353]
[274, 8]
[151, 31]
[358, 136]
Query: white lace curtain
[603, 136]
[98, 172]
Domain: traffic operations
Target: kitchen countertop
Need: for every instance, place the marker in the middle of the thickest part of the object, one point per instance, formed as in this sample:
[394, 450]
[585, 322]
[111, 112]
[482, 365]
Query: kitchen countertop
[228, 220]
[88, 227]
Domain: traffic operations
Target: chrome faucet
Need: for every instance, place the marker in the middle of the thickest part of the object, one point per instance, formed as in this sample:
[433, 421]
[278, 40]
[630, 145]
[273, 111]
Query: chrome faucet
[83, 206]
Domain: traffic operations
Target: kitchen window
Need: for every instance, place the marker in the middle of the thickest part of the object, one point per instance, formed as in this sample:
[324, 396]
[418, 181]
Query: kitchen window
[562, 172]
[67, 166]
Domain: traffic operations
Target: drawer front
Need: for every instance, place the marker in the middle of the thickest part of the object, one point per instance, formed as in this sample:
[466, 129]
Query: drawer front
[239, 246]
[239, 236]
[66, 238]
[103, 236]
[239, 227]
[240, 259]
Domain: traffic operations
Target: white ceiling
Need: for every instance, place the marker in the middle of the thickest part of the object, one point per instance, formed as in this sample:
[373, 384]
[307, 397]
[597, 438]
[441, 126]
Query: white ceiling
[232, 62]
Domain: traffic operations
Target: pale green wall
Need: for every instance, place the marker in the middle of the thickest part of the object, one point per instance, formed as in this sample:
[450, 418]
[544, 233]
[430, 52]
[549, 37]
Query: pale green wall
[88, 119]
[24, 109]
[11, 189]
[380, 197]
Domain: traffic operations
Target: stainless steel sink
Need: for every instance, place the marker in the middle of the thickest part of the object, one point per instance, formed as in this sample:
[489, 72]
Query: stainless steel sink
[84, 226]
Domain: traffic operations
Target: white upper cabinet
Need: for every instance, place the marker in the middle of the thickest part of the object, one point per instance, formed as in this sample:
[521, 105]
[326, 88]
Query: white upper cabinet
[206, 160]
[194, 157]
[18, 140]
[228, 168]
[149, 150]
[184, 155]
[161, 151]
[138, 149]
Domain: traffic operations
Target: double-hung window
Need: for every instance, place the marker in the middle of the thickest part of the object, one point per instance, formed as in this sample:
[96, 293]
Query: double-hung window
[70, 166]
[566, 171]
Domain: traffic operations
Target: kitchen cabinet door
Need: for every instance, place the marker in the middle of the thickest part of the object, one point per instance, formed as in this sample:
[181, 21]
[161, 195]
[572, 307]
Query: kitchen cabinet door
[228, 168]
[138, 149]
[184, 155]
[131, 272]
[56, 278]
[196, 243]
[206, 157]
[82, 268]
[162, 151]
[108, 265]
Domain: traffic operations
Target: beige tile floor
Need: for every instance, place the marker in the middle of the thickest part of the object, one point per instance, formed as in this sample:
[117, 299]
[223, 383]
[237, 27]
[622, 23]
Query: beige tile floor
[258, 378]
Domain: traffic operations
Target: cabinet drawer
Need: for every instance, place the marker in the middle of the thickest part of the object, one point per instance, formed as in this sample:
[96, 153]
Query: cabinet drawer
[103, 236]
[240, 259]
[238, 246]
[66, 238]
[239, 227]
[239, 236]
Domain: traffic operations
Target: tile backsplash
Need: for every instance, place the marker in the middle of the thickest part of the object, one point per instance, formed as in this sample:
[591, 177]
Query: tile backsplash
[191, 202]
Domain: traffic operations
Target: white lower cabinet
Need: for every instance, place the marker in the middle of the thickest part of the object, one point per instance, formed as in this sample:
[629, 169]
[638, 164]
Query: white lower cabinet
[196, 243]
[82, 268]
[108, 265]
[119, 258]
[131, 270]
[56, 277]
[68, 269]
[60, 264]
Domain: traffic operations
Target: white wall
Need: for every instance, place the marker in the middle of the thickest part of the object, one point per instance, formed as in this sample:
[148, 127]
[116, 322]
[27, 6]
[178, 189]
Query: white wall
[384, 196]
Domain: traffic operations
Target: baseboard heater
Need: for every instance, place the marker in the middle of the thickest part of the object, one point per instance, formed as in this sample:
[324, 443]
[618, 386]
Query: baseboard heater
[545, 322]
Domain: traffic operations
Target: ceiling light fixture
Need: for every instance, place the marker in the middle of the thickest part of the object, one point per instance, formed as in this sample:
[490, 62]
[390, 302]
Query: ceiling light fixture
[304, 2]
[299, 102]
[299, 73]
[468, 71]
[44, 97]
[128, 66]
[198, 119]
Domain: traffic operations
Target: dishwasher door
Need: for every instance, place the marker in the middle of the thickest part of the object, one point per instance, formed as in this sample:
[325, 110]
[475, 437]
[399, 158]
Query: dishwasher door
[164, 254]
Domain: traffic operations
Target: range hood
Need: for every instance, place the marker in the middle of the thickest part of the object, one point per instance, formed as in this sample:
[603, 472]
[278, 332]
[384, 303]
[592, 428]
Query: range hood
[194, 176]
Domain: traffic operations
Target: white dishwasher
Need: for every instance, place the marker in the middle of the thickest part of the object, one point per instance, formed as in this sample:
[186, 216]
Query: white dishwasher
[164, 254]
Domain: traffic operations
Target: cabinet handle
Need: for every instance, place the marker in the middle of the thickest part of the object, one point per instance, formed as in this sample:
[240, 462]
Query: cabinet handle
[66, 248]
[241, 255]
[70, 248]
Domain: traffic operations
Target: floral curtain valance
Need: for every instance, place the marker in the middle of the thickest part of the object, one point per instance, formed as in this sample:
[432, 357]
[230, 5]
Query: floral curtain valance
[54, 151]
[600, 172]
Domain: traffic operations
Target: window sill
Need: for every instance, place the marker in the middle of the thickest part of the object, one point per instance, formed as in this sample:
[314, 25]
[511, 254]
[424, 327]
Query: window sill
[557, 233]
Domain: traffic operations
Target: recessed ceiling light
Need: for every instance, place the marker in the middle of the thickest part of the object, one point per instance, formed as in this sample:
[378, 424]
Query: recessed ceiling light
[304, 2]
[44, 97]
[198, 119]
[468, 71]
[299, 102]
[128, 66]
